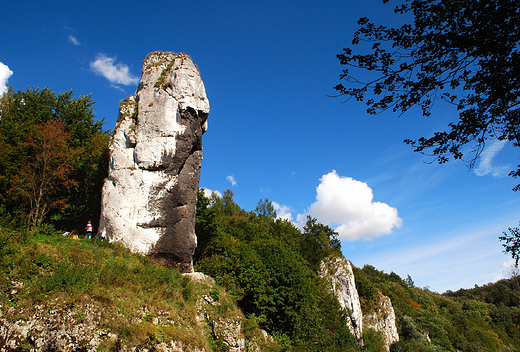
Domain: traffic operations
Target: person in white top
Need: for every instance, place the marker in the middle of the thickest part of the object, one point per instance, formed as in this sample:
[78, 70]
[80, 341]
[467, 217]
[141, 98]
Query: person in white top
[89, 230]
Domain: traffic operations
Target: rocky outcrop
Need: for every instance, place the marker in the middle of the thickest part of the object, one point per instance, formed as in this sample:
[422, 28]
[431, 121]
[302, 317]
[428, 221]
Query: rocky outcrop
[339, 273]
[383, 319]
[149, 197]
[83, 324]
[53, 327]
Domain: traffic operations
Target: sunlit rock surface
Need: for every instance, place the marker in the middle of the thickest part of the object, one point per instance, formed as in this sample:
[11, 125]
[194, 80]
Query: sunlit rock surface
[149, 197]
[339, 272]
[383, 319]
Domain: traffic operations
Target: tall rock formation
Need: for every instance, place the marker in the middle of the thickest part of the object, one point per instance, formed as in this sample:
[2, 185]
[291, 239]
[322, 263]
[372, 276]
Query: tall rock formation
[149, 198]
[339, 273]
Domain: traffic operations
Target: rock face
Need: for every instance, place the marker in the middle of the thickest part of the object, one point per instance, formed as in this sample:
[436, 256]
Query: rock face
[339, 272]
[55, 325]
[149, 198]
[383, 319]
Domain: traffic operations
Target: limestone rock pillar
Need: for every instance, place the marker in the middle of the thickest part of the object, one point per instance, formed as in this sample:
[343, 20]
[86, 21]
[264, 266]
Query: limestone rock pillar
[149, 198]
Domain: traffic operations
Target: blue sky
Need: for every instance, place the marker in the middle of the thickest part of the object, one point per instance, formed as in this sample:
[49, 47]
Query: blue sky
[269, 68]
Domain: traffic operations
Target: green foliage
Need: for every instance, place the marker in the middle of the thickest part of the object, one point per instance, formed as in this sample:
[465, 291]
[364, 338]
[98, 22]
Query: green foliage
[265, 263]
[467, 320]
[39, 127]
[512, 243]
[262, 264]
[367, 290]
[319, 241]
[443, 52]
[374, 341]
[409, 281]
[270, 267]
[131, 290]
[265, 208]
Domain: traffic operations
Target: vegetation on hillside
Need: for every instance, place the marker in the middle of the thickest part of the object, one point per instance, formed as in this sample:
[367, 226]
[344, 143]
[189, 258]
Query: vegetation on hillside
[270, 267]
[53, 158]
[480, 319]
[134, 301]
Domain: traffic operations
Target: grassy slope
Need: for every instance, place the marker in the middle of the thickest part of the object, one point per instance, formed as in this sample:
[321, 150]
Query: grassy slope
[105, 287]
[97, 283]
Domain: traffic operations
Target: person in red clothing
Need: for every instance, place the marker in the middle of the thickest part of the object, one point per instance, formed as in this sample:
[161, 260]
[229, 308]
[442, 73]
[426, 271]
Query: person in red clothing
[89, 230]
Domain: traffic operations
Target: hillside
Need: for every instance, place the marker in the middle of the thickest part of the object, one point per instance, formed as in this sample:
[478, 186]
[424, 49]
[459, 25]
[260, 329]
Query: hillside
[238, 247]
[59, 293]
[93, 295]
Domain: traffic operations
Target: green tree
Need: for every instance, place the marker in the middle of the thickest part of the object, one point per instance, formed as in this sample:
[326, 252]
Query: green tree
[409, 281]
[319, 241]
[205, 224]
[45, 170]
[464, 52]
[259, 260]
[265, 208]
[230, 207]
[20, 112]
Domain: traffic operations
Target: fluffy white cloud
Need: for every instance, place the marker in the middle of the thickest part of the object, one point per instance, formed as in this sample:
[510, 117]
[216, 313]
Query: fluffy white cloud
[208, 192]
[486, 158]
[231, 178]
[282, 211]
[115, 73]
[347, 205]
[5, 73]
[74, 40]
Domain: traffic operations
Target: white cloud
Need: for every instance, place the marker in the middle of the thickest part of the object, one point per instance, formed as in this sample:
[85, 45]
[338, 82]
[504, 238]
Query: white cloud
[348, 204]
[485, 166]
[5, 73]
[116, 74]
[208, 192]
[74, 40]
[282, 211]
[231, 178]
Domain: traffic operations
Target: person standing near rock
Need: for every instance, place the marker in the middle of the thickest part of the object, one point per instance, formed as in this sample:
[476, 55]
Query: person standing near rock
[102, 234]
[89, 230]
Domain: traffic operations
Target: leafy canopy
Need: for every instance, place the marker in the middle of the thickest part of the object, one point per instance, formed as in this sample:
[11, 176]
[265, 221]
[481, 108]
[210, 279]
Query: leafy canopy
[53, 158]
[464, 52]
[45, 170]
[270, 267]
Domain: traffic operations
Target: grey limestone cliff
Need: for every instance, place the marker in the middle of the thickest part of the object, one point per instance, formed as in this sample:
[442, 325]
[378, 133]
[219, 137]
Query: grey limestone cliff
[149, 198]
[338, 271]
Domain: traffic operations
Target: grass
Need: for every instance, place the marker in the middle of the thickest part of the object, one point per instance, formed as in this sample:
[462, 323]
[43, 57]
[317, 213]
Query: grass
[139, 301]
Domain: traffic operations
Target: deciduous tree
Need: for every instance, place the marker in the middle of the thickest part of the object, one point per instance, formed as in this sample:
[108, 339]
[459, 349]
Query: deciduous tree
[464, 52]
[512, 243]
[45, 170]
[20, 114]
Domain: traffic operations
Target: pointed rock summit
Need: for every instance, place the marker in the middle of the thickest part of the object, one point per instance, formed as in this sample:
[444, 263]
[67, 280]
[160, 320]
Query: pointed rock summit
[149, 198]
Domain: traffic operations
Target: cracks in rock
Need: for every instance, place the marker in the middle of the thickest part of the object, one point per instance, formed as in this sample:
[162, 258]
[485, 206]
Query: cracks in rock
[157, 168]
